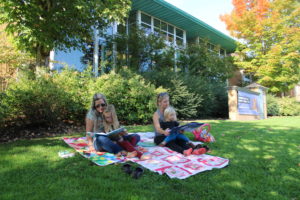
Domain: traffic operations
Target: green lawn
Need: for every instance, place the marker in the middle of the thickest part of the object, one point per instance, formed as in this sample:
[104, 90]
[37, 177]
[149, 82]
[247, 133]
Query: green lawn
[264, 164]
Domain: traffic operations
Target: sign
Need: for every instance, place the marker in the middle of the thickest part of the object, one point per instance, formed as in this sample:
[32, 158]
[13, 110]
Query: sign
[248, 103]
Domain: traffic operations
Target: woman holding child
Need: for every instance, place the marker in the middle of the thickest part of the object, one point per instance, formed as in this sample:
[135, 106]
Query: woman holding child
[96, 122]
[164, 119]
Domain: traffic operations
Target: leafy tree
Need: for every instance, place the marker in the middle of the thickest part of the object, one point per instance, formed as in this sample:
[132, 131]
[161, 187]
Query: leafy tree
[199, 60]
[270, 40]
[9, 55]
[40, 26]
[145, 51]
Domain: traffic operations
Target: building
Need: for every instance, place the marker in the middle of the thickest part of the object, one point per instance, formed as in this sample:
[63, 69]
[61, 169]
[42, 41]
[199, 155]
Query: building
[176, 26]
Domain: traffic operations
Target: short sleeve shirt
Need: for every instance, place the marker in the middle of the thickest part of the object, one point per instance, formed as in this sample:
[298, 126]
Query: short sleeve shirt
[97, 119]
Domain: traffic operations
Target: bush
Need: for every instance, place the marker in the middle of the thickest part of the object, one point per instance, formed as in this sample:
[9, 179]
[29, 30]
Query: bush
[272, 105]
[288, 107]
[44, 98]
[33, 101]
[133, 98]
[185, 101]
[285, 106]
[203, 98]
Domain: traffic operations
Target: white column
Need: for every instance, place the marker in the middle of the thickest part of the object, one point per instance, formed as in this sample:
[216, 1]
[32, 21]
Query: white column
[96, 52]
[184, 38]
[51, 59]
[152, 25]
[139, 18]
[127, 49]
[114, 50]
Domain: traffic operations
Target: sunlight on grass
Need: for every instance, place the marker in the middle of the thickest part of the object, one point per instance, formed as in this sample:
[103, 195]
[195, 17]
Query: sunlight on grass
[268, 157]
[251, 148]
[289, 178]
[274, 193]
[235, 184]
[263, 155]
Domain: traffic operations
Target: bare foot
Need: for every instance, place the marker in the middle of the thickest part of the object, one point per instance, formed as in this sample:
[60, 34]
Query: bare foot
[162, 144]
[139, 148]
[131, 154]
[145, 157]
[121, 153]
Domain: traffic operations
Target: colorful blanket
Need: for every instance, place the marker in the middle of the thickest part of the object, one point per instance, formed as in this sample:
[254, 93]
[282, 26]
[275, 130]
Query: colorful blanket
[99, 158]
[163, 160]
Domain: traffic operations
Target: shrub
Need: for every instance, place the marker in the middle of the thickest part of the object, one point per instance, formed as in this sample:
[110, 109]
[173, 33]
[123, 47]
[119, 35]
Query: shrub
[208, 97]
[272, 105]
[133, 98]
[285, 106]
[288, 107]
[44, 98]
[33, 101]
[76, 98]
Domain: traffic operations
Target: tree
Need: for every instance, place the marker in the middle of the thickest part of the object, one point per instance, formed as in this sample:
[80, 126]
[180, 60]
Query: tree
[269, 32]
[199, 60]
[144, 51]
[40, 26]
[9, 55]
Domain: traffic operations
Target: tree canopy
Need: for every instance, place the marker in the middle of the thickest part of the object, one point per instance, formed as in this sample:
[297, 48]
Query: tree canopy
[40, 26]
[269, 32]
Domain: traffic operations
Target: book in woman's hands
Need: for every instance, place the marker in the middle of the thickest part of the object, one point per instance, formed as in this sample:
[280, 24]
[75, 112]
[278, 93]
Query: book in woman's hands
[114, 133]
[189, 127]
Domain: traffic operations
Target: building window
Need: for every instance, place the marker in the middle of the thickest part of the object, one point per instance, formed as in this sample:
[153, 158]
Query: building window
[172, 34]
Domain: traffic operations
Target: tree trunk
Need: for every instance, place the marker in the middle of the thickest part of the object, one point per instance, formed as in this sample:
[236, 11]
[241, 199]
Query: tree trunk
[42, 57]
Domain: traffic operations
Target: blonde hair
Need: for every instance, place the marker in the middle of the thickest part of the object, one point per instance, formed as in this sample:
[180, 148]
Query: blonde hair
[97, 97]
[161, 96]
[109, 126]
[97, 119]
[168, 111]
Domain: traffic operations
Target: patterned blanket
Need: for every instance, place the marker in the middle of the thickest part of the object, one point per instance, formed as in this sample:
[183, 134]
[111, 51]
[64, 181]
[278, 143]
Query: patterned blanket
[99, 158]
[163, 160]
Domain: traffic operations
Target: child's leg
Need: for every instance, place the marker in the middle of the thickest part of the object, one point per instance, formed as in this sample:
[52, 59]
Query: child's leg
[108, 145]
[128, 147]
[132, 138]
[181, 136]
[170, 137]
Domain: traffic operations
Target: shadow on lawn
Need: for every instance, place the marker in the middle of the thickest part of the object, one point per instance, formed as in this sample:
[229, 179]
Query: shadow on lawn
[263, 165]
[262, 158]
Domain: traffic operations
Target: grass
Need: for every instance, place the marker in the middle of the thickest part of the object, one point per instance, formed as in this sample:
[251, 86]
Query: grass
[264, 164]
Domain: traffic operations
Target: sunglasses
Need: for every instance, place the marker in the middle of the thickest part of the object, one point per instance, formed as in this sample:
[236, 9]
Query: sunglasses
[100, 105]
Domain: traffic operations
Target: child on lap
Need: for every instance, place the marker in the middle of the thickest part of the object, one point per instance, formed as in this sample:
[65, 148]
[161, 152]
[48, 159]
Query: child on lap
[111, 122]
[169, 123]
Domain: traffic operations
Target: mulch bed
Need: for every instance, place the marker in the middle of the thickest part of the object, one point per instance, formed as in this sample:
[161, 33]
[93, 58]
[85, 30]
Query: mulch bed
[14, 133]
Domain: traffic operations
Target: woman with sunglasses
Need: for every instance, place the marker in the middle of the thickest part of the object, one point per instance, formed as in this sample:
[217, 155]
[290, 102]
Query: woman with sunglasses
[178, 145]
[95, 124]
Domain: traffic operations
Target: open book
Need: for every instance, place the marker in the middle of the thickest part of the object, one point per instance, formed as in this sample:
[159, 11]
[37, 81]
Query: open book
[189, 127]
[114, 133]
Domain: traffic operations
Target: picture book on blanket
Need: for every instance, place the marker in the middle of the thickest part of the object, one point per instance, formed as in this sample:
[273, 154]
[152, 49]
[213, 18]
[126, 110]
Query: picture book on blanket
[113, 134]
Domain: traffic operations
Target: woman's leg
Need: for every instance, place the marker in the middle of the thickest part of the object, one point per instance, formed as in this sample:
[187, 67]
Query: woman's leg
[182, 143]
[106, 144]
[159, 139]
[180, 147]
[175, 147]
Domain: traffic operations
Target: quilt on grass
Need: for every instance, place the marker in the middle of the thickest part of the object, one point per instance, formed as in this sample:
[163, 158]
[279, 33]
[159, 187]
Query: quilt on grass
[99, 158]
[163, 160]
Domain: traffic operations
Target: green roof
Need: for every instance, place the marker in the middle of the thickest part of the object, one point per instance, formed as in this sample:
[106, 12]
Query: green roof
[193, 26]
